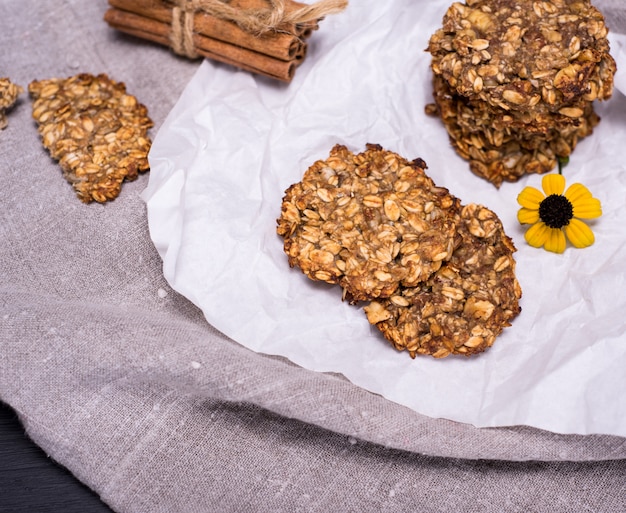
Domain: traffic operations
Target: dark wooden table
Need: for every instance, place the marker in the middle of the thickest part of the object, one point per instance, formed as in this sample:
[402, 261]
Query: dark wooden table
[32, 482]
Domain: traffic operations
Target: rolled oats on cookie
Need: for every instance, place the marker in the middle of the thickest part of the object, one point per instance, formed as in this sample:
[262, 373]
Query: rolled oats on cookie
[503, 147]
[523, 75]
[95, 129]
[369, 222]
[9, 93]
[463, 306]
[514, 54]
[439, 277]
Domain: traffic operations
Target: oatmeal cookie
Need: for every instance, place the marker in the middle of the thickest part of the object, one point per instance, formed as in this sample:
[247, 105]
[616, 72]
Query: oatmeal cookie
[514, 81]
[95, 129]
[370, 222]
[463, 306]
[8, 96]
[515, 54]
[478, 116]
[502, 147]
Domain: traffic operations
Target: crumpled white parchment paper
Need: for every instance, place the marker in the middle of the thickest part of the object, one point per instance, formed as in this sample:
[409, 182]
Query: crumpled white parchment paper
[232, 145]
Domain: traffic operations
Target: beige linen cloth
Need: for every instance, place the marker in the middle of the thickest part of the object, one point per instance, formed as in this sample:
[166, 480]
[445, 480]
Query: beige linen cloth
[121, 380]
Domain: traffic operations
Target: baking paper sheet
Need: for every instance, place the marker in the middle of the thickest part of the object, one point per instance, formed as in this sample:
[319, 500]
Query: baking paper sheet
[232, 145]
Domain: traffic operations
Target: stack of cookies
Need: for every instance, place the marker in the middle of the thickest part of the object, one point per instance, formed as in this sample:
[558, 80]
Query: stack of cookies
[515, 80]
[438, 277]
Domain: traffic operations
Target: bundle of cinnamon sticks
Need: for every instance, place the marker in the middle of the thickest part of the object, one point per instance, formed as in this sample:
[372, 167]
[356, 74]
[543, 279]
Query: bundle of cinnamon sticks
[266, 37]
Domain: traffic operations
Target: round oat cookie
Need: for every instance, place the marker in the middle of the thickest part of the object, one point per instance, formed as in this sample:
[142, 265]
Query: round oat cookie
[517, 54]
[369, 222]
[479, 116]
[466, 304]
[501, 146]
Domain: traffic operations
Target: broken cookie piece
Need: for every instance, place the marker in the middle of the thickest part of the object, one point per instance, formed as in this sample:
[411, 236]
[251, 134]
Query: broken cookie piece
[95, 129]
[8, 96]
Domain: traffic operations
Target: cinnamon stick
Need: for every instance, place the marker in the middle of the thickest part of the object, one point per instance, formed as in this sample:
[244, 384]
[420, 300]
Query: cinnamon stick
[159, 32]
[283, 46]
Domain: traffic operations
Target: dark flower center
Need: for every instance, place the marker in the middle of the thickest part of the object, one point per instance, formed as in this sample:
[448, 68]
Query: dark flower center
[556, 211]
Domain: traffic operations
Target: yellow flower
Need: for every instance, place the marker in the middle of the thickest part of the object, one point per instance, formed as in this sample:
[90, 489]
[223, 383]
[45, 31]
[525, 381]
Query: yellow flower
[556, 215]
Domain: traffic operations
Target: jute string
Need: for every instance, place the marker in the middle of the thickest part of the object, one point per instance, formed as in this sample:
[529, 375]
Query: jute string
[254, 21]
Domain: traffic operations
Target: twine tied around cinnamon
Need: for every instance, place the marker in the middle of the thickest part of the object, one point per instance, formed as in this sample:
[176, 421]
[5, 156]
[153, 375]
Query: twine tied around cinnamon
[254, 21]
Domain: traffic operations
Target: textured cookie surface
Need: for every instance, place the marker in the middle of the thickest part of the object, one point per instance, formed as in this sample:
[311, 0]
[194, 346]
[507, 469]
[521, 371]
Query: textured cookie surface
[369, 222]
[516, 54]
[463, 306]
[96, 131]
[515, 80]
[8, 96]
[504, 146]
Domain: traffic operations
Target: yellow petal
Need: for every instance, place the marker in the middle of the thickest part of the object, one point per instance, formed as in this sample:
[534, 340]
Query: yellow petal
[587, 208]
[537, 234]
[553, 184]
[576, 192]
[530, 198]
[579, 234]
[556, 241]
[527, 216]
